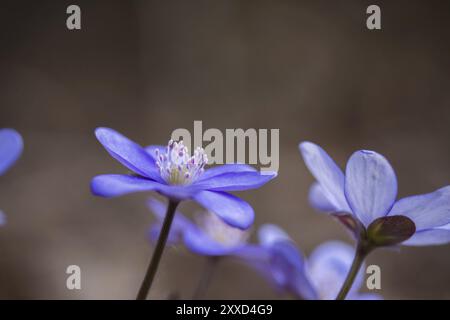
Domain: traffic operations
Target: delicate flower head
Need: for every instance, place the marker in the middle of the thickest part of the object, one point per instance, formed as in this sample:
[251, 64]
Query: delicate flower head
[207, 235]
[320, 276]
[172, 172]
[364, 199]
[175, 165]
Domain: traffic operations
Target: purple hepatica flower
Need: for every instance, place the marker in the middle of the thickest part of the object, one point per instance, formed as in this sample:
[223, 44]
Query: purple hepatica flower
[11, 146]
[171, 172]
[364, 199]
[210, 236]
[318, 277]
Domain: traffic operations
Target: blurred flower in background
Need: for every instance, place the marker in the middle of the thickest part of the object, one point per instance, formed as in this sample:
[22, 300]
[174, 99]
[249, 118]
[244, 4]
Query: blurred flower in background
[11, 146]
[318, 277]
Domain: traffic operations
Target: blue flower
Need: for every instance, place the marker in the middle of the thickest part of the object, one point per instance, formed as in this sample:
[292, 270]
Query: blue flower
[318, 277]
[366, 195]
[207, 236]
[172, 172]
[11, 146]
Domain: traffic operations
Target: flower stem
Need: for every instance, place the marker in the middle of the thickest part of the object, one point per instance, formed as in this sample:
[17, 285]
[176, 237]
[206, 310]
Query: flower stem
[157, 253]
[211, 264]
[361, 253]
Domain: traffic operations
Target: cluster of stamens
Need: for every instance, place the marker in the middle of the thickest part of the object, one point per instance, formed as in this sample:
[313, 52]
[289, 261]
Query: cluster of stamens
[221, 232]
[177, 167]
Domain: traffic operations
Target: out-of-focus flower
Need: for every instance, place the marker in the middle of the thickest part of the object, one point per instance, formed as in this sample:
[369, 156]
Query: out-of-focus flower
[172, 172]
[207, 236]
[318, 277]
[11, 146]
[364, 199]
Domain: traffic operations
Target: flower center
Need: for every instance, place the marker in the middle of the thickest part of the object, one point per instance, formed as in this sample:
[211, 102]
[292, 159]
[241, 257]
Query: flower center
[177, 167]
[221, 232]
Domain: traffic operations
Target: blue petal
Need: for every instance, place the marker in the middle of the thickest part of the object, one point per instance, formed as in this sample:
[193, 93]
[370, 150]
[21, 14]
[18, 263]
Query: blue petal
[288, 269]
[364, 296]
[319, 201]
[268, 234]
[226, 168]
[235, 181]
[435, 236]
[151, 150]
[128, 153]
[426, 210]
[197, 241]
[327, 174]
[231, 209]
[115, 185]
[328, 266]
[370, 185]
[11, 146]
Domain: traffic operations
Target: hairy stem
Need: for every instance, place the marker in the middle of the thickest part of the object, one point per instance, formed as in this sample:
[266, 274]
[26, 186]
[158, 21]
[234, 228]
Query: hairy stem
[157, 253]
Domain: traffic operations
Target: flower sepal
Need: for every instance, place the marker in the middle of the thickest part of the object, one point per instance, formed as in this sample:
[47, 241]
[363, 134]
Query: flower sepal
[389, 231]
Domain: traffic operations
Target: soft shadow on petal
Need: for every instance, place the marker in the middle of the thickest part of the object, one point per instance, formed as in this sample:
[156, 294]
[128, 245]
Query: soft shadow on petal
[327, 173]
[235, 181]
[128, 153]
[426, 210]
[11, 146]
[370, 185]
[234, 211]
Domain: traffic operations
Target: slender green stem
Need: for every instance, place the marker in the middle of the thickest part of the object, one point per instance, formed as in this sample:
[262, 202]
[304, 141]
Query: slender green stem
[210, 266]
[361, 253]
[157, 253]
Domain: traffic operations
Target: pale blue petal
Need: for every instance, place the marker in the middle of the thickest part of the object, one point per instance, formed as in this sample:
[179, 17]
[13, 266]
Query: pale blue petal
[435, 236]
[327, 174]
[426, 210]
[319, 201]
[370, 185]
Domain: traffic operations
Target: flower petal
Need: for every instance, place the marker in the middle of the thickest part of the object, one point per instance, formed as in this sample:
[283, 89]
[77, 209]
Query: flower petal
[428, 237]
[159, 209]
[268, 234]
[226, 168]
[288, 270]
[115, 185]
[370, 185]
[327, 174]
[128, 153]
[197, 241]
[364, 296]
[235, 181]
[231, 209]
[327, 268]
[319, 201]
[11, 146]
[426, 210]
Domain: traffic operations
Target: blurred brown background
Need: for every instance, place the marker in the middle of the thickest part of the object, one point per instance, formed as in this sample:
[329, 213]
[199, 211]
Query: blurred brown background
[310, 68]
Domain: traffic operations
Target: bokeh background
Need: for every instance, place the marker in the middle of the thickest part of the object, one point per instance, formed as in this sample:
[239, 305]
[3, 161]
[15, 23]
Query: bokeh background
[145, 68]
